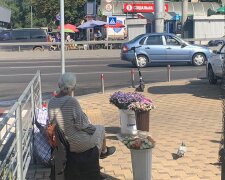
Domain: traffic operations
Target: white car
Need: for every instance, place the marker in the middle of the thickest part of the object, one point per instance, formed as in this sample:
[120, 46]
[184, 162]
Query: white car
[215, 65]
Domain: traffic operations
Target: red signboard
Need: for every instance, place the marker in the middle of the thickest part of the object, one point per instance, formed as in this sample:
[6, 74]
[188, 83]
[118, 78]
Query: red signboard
[140, 8]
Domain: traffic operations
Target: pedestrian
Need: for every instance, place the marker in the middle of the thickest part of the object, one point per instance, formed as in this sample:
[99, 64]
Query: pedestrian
[74, 123]
[68, 38]
[98, 35]
[57, 38]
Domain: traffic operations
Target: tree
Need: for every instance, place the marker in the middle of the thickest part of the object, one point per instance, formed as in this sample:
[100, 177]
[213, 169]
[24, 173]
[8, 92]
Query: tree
[46, 11]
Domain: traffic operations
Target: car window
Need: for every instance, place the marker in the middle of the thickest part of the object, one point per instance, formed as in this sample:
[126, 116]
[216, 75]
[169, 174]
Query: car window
[141, 42]
[4, 36]
[171, 41]
[154, 40]
[136, 38]
[37, 34]
[20, 34]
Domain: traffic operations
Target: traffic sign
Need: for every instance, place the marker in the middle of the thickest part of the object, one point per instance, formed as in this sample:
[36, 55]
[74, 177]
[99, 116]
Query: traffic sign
[108, 7]
[112, 20]
[57, 17]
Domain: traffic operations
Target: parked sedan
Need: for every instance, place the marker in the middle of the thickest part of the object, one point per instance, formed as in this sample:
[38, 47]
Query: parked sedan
[215, 65]
[217, 42]
[163, 47]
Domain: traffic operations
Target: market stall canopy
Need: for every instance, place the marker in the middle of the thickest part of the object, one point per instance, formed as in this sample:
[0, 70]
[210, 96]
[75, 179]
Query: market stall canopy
[69, 28]
[91, 24]
[221, 10]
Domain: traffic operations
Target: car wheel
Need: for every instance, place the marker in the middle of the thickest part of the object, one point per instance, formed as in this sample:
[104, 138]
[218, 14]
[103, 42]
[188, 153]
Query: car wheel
[38, 49]
[142, 61]
[198, 59]
[211, 76]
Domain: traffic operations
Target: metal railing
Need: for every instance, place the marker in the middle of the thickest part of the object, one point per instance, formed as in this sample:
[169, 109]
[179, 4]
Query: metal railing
[91, 44]
[78, 44]
[16, 133]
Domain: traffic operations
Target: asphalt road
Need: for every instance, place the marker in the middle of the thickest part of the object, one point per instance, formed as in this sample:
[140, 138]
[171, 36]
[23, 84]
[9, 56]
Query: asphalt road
[16, 74]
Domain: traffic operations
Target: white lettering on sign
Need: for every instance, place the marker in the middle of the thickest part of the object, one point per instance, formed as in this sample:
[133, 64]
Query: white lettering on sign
[129, 7]
[141, 7]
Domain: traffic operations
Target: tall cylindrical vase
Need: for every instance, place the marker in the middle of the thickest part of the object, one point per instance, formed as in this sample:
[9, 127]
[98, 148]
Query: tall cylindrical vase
[141, 164]
[142, 120]
[127, 122]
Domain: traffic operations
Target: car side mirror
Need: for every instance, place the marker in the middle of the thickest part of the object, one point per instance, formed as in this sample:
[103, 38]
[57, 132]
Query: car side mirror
[183, 45]
[216, 52]
[133, 48]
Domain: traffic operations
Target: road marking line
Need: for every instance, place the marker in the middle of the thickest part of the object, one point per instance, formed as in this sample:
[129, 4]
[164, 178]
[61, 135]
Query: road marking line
[67, 60]
[35, 67]
[106, 72]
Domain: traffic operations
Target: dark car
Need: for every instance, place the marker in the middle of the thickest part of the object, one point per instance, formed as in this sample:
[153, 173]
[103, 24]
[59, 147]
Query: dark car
[163, 48]
[21, 36]
[217, 42]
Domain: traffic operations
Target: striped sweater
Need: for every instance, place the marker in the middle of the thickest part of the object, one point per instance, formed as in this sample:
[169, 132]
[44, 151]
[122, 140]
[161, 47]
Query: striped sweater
[72, 120]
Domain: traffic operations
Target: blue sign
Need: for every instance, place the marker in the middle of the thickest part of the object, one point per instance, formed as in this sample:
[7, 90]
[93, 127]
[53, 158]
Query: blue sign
[112, 20]
[57, 17]
[176, 17]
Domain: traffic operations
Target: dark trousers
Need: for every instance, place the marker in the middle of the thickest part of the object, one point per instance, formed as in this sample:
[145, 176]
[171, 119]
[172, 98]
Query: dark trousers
[83, 166]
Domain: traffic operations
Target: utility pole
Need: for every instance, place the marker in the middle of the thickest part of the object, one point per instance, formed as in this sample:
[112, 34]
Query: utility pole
[62, 36]
[184, 14]
[159, 10]
[31, 15]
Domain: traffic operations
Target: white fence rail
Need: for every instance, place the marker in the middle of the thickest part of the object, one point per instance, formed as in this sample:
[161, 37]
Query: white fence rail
[16, 133]
[91, 44]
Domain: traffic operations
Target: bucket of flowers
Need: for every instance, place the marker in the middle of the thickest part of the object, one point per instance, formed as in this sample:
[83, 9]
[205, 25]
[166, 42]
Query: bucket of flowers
[142, 112]
[141, 155]
[127, 117]
[129, 104]
[123, 99]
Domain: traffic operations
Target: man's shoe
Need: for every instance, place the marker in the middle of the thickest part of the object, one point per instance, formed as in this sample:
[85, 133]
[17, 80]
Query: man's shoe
[110, 151]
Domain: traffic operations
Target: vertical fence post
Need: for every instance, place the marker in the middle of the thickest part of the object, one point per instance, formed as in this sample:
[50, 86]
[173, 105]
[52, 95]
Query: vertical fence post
[40, 92]
[102, 83]
[32, 100]
[168, 72]
[132, 78]
[19, 148]
[33, 120]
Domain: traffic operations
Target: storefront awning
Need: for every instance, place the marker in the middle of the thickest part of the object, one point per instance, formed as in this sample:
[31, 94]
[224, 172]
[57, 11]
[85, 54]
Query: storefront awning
[196, 9]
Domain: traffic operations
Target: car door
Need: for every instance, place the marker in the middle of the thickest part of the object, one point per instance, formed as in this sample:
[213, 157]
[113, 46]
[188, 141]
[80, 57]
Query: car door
[218, 61]
[21, 36]
[154, 48]
[175, 51]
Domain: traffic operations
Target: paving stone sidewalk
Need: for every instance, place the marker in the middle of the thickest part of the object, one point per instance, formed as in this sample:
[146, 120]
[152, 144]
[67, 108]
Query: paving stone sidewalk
[188, 111]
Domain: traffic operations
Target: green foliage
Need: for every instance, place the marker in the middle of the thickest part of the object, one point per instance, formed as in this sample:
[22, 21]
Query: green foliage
[74, 11]
[43, 12]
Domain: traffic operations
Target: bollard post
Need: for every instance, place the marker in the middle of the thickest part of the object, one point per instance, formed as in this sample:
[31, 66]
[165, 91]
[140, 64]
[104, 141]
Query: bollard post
[168, 72]
[132, 78]
[102, 83]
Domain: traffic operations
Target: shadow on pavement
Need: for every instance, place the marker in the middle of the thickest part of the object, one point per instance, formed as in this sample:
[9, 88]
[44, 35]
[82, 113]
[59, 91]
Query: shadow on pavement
[108, 177]
[199, 88]
[112, 130]
[216, 141]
